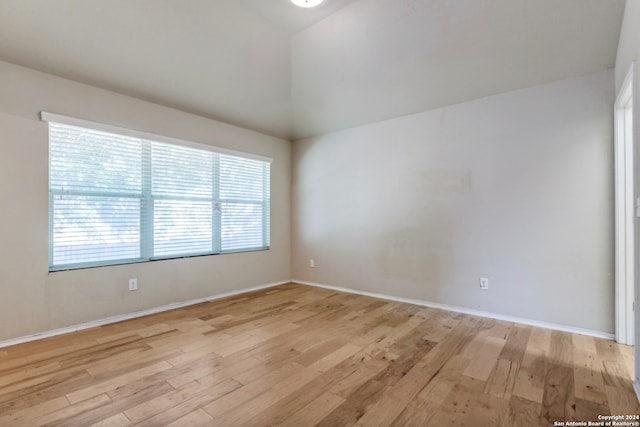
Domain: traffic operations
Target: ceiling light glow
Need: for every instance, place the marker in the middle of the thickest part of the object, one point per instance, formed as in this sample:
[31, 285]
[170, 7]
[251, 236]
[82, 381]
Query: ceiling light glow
[306, 3]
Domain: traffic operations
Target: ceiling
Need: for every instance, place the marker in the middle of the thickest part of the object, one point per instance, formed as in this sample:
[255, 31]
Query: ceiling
[269, 66]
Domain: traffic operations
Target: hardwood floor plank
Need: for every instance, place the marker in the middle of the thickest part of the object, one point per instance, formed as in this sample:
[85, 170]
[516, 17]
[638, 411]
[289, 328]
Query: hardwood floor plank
[314, 412]
[627, 352]
[60, 417]
[249, 391]
[228, 368]
[558, 401]
[622, 400]
[502, 379]
[369, 394]
[293, 403]
[522, 412]
[417, 413]
[19, 417]
[151, 407]
[193, 402]
[28, 373]
[112, 408]
[187, 372]
[588, 410]
[143, 331]
[334, 358]
[263, 402]
[484, 361]
[112, 384]
[197, 418]
[364, 372]
[588, 374]
[321, 349]
[561, 349]
[118, 420]
[486, 410]
[430, 399]
[443, 381]
[397, 396]
[31, 393]
[254, 338]
[531, 376]
[468, 407]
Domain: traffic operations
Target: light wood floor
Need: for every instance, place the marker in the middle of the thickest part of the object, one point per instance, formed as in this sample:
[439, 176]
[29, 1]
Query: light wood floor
[301, 356]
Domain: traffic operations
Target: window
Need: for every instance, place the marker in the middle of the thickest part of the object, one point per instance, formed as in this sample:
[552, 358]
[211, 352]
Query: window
[118, 196]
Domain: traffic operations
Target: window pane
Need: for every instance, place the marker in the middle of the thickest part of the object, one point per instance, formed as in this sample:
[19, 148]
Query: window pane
[119, 198]
[242, 226]
[241, 179]
[93, 161]
[182, 227]
[89, 229]
[181, 171]
[244, 193]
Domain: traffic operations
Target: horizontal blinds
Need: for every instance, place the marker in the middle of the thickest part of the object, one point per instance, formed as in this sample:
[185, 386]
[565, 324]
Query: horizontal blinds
[118, 198]
[95, 190]
[244, 197]
[87, 124]
[181, 172]
[182, 189]
[182, 227]
[89, 229]
[86, 161]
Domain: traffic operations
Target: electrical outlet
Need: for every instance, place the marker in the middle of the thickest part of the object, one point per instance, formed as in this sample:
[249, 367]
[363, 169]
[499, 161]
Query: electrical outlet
[312, 263]
[133, 284]
[484, 283]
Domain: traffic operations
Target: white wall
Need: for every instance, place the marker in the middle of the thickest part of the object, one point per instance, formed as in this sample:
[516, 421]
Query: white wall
[33, 300]
[629, 44]
[515, 187]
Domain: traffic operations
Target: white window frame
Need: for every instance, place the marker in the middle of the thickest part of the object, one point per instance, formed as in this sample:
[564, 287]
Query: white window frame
[145, 252]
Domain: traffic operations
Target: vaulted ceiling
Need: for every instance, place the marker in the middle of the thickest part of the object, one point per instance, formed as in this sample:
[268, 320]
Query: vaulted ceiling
[272, 67]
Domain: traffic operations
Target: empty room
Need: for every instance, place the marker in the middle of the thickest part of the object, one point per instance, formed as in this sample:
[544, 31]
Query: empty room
[319, 212]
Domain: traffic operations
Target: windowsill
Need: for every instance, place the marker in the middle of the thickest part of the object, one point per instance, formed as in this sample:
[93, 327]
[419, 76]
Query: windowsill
[120, 263]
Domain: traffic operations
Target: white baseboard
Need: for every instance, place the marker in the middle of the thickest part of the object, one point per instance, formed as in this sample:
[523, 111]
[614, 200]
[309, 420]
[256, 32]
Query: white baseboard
[121, 317]
[173, 306]
[457, 309]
